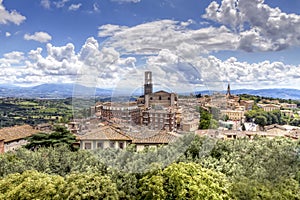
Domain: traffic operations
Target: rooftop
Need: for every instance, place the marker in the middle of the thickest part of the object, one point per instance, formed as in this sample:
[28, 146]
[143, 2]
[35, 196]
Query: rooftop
[16, 132]
[103, 133]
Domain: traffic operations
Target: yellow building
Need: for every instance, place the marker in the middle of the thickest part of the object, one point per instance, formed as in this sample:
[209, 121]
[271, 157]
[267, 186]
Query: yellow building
[235, 115]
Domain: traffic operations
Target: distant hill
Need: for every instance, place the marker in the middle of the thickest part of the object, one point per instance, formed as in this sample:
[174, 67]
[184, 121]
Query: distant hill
[71, 90]
[51, 91]
[282, 93]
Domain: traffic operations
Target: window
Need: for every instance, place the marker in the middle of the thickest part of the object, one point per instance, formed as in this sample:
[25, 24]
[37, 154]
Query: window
[112, 144]
[87, 145]
[100, 145]
[159, 98]
[121, 145]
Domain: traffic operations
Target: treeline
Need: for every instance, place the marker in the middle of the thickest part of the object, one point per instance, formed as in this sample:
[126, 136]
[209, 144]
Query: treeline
[263, 118]
[207, 169]
[257, 98]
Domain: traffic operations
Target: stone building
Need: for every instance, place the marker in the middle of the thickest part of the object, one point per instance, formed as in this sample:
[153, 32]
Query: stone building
[156, 110]
[12, 138]
[124, 112]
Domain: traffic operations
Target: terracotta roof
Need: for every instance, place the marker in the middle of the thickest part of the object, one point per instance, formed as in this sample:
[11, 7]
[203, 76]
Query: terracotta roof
[103, 133]
[160, 138]
[17, 132]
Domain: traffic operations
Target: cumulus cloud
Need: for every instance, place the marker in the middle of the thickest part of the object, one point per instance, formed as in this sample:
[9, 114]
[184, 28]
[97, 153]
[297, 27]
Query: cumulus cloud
[10, 16]
[74, 7]
[7, 34]
[168, 34]
[39, 37]
[109, 68]
[270, 28]
[11, 58]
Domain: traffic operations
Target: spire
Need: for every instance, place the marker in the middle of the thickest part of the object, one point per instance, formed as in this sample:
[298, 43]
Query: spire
[228, 90]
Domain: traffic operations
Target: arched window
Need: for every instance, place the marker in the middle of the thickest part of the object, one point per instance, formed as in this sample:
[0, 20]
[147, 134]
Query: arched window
[159, 98]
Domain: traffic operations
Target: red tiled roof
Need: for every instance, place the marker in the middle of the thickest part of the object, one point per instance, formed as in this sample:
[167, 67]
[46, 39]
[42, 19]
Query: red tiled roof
[16, 132]
[160, 138]
[103, 133]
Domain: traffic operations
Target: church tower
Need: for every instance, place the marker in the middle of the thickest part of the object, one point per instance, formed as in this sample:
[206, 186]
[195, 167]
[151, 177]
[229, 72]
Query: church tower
[148, 87]
[228, 94]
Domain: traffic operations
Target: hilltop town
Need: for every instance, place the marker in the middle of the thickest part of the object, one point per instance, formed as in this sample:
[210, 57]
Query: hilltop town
[161, 117]
[220, 137]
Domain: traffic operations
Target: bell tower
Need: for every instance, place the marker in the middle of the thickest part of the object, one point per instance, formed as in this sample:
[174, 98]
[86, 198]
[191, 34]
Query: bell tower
[148, 87]
[228, 94]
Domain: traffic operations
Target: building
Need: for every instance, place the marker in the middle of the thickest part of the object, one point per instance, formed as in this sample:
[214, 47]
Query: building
[103, 137]
[288, 105]
[154, 141]
[248, 104]
[125, 112]
[110, 136]
[160, 118]
[269, 107]
[156, 110]
[12, 138]
[288, 113]
[235, 115]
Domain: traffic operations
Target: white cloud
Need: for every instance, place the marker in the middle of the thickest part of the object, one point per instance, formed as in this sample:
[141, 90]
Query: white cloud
[96, 7]
[168, 34]
[10, 16]
[39, 37]
[126, 1]
[270, 28]
[46, 4]
[7, 34]
[74, 7]
[60, 4]
[108, 67]
[13, 57]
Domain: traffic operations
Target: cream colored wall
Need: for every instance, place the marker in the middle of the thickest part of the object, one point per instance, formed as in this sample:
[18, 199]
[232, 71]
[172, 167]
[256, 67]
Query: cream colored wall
[141, 147]
[10, 146]
[106, 144]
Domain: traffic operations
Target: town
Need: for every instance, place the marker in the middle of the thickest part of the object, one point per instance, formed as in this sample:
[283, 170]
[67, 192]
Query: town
[115, 147]
[159, 117]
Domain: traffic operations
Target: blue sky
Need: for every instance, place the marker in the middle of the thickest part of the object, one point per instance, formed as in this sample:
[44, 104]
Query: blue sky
[187, 44]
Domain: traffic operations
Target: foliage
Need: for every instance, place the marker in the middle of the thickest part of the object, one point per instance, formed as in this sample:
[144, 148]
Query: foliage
[263, 118]
[54, 160]
[60, 136]
[205, 168]
[89, 186]
[260, 120]
[31, 185]
[245, 188]
[37, 185]
[205, 119]
[185, 181]
[16, 111]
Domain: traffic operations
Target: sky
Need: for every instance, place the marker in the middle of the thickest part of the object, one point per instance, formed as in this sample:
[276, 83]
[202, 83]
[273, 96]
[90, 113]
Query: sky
[188, 45]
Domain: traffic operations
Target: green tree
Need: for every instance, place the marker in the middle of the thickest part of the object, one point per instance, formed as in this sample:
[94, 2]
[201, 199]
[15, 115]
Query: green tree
[260, 120]
[31, 185]
[205, 119]
[185, 181]
[60, 136]
[89, 186]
